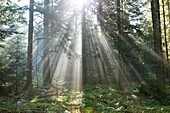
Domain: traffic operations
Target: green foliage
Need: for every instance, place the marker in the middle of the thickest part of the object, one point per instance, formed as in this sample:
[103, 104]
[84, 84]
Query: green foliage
[43, 105]
[3, 70]
[108, 99]
[100, 98]
[135, 54]
[13, 65]
[11, 15]
[150, 87]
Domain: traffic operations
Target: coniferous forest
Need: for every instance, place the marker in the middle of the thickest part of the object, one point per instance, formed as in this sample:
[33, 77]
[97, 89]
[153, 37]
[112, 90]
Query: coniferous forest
[84, 56]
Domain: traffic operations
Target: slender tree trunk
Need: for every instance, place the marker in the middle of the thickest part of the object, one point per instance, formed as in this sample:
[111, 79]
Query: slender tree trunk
[118, 17]
[165, 34]
[120, 79]
[46, 60]
[16, 80]
[28, 87]
[168, 3]
[157, 37]
[100, 15]
[84, 63]
[165, 37]
[36, 70]
[17, 60]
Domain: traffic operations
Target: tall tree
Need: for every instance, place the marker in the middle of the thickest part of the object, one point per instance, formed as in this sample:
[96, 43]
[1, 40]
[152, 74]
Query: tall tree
[46, 60]
[157, 36]
[84, 63]
[168, 4]
[28, 87]
[164, 29]
[121, 64]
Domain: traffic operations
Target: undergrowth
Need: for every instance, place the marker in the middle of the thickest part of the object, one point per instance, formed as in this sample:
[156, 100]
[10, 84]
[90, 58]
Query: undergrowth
[93, 99]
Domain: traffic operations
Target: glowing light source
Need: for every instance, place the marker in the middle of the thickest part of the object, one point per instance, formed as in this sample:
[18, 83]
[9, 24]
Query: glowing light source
[78, 3]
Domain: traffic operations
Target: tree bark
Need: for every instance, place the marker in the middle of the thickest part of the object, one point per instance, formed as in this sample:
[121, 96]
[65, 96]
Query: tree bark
[118, 17]
[165, 37]
[121, 71]
[157, 37]
[84, 63]
[46, 60]
[16, 70]
[168, 3]
[28, 87]
[165, 33]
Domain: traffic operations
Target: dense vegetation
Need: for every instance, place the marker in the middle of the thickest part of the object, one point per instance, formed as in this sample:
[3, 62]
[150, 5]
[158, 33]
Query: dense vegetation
[93, 56]
[93, 99]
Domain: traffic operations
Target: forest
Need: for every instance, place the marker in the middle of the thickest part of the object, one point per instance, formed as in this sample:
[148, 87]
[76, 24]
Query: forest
[84, 56]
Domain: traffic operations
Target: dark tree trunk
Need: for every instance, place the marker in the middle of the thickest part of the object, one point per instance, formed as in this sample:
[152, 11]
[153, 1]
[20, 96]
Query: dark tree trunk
[121, 72]
[16, 70]
[157, 37]
[28, 87]
[121, 69]
[46, 60]
[118, 17]
[165, 37]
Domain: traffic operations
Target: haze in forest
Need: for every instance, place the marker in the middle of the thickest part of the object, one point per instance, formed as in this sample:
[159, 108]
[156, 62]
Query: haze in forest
[81, 56]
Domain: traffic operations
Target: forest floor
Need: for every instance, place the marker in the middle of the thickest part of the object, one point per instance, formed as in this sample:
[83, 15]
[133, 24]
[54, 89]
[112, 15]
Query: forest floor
[93, 99]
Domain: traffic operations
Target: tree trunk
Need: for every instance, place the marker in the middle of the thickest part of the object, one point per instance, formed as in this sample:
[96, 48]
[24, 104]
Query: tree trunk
[84, 63]
[120, 79]
[46, 60]
[118, 17]
[157, 38]
[168, 3]
[165, 34]
[100, 15]
[28, 87]
[16, 70]
[165, 37]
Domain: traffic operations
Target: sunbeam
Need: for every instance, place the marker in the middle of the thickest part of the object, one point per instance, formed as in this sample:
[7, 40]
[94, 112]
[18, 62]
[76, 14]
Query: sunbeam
[106, 61]
[78, 3]
[84, 56]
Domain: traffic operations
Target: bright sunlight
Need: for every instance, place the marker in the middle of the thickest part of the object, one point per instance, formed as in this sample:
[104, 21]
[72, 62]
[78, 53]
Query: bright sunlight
[78, 3]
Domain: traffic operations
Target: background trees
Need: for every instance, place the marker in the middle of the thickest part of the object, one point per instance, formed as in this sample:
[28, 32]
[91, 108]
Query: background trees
[12, 47]
[13, 68]
[123, 41]
[11, 15]
[121, 47]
